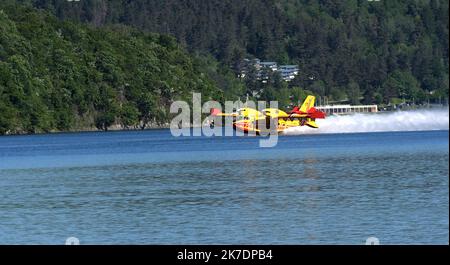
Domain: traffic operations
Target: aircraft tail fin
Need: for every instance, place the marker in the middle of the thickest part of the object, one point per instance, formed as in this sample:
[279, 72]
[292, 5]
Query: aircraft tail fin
[308, 103]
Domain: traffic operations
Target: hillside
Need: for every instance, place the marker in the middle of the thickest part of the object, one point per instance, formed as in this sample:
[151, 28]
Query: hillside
[71, 65]
[59, 76]
[359, 50]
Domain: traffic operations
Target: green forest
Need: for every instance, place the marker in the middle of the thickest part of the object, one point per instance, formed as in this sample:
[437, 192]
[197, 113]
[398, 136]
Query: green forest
[63, 76]
[70, 65]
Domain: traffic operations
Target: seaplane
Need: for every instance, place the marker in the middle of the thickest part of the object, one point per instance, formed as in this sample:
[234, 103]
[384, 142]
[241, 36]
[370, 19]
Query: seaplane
[249, 120]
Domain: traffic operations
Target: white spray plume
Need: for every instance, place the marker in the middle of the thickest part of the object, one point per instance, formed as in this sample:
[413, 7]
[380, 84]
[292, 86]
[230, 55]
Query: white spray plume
[414, 120]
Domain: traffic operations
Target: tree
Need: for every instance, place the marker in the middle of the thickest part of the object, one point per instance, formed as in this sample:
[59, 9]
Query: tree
[354, 92]
[129, 115]
[8, 117]
[402, 84]
[107, 108]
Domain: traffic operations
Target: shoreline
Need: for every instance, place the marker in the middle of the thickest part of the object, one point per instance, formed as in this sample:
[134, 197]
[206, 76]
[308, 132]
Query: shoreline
[119, 128]
[113, 128]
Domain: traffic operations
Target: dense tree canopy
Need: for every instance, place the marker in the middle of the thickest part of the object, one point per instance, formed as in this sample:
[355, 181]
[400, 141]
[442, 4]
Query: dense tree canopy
[339, 45]
[59, 75]
[63, 75]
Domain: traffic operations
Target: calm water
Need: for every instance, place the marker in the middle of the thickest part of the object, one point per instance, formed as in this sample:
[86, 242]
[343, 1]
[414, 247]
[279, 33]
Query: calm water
[147, 187]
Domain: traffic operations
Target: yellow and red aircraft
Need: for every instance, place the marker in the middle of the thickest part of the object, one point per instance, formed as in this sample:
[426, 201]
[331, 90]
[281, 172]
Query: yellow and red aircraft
[249, 120]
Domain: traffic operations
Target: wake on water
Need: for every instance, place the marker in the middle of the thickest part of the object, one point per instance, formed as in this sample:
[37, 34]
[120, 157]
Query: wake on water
[414, 120]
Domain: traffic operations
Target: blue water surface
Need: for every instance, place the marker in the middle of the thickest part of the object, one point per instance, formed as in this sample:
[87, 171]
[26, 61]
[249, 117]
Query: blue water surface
[149, 187]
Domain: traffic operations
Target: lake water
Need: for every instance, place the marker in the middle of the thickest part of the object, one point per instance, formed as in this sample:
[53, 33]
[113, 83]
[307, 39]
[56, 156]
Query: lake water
[148, 187]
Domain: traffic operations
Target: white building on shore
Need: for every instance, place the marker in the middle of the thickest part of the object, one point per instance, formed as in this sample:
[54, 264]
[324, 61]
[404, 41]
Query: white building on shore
[347, 109]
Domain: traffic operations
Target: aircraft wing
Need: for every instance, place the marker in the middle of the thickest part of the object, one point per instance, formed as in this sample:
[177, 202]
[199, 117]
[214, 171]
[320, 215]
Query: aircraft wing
[291, 116]
[226, 114]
